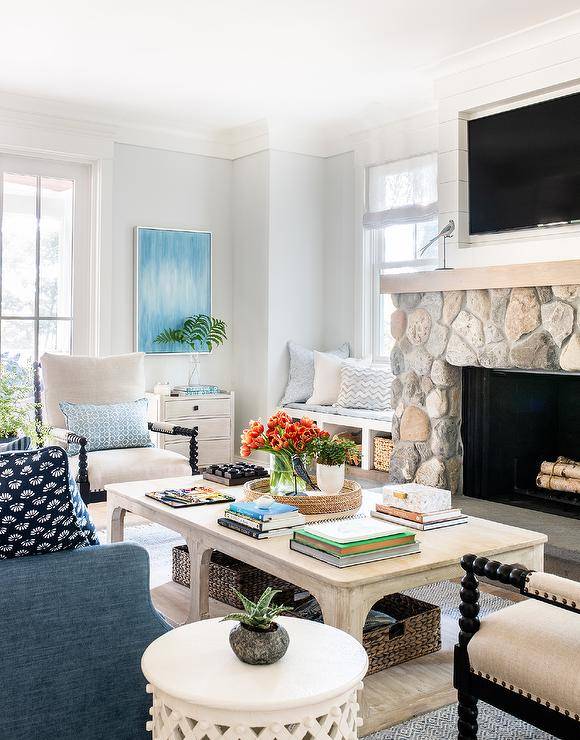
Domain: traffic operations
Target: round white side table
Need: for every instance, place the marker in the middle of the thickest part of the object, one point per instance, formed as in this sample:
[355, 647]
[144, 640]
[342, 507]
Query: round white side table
[201, 691]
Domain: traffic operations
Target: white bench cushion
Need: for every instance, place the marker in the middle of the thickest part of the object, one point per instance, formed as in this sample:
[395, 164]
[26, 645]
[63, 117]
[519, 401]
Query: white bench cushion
[342, 411]
[531, 648]
[141, 463]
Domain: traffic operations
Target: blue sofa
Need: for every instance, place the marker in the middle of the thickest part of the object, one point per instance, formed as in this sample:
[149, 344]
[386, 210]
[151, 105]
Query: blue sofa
[73, 628]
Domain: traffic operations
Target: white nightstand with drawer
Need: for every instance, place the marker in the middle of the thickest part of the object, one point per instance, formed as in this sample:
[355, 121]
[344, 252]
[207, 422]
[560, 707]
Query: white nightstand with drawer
[212, 415]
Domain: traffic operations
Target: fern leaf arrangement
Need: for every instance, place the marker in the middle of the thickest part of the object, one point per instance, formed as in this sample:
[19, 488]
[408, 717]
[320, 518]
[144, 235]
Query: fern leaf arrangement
[258, 615]
[197, 332]
[336, 451]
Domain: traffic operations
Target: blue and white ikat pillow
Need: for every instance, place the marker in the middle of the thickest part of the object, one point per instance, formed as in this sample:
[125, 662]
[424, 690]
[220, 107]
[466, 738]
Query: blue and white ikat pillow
[108, 426]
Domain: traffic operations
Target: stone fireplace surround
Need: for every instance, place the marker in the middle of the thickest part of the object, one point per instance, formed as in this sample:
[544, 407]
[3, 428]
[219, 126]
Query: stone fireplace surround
[437, 333]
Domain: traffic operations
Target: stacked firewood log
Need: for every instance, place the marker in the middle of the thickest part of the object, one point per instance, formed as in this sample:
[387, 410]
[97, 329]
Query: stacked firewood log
[562, 475]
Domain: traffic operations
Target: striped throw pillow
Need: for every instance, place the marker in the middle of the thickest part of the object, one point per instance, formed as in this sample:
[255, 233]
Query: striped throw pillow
[365, 387]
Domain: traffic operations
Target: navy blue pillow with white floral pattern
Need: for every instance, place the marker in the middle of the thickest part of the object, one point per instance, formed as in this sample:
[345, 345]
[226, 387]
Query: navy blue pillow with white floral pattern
[39, 511]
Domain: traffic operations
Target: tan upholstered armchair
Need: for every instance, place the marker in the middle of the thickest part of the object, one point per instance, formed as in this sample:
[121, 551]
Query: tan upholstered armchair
[523, 659]
[103, 380]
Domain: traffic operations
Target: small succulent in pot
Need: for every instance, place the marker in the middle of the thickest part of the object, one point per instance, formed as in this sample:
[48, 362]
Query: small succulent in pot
[258, 639]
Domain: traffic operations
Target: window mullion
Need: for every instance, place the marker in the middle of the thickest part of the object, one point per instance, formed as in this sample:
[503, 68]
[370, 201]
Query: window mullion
[37, 282]
[1, 227]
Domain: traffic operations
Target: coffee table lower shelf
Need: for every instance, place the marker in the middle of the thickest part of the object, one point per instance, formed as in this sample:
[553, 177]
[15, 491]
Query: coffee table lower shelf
[393, 695]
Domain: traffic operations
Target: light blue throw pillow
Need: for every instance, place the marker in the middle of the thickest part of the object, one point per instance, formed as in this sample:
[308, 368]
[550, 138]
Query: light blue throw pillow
[111, 426]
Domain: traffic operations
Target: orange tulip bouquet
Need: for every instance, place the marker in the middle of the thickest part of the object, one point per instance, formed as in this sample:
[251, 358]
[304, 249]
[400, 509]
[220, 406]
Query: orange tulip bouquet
[283, 438]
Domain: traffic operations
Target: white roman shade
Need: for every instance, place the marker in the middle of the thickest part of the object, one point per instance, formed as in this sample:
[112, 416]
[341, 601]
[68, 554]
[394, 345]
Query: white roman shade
[401, 192]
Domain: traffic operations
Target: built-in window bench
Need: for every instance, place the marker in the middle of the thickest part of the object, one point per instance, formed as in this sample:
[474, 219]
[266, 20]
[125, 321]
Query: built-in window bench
[336, 419]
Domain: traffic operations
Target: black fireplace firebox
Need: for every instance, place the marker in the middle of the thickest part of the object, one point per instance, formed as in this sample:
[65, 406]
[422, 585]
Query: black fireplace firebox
[512, 421]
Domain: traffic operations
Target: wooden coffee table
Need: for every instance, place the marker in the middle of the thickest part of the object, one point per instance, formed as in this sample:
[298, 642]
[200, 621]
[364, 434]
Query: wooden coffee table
[344, 595]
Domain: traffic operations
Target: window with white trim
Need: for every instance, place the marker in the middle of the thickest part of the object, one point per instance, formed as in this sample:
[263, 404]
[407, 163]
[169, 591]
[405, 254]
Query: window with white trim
[401, 216]
[44, 217]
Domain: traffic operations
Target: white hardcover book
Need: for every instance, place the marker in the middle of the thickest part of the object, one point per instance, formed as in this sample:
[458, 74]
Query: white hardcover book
[352, 530]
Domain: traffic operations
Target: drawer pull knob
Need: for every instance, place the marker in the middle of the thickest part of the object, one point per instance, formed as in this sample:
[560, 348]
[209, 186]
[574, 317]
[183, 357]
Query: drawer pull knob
[196, 408]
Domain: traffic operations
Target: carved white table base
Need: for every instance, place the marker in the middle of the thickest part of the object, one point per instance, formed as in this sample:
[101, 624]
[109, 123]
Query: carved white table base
[201, 691]
[335, 719]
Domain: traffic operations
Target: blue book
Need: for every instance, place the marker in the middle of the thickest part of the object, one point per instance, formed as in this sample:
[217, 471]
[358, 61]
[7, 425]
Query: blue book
[251, 509]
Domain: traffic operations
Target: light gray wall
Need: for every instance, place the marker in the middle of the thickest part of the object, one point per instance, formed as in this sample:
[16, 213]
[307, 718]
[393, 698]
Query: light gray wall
[155, 187]
[283, 258]
[250, 225]
[339, 250]
[297, 268]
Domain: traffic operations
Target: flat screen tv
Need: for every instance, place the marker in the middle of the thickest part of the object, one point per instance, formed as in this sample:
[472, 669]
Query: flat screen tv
[524, 167]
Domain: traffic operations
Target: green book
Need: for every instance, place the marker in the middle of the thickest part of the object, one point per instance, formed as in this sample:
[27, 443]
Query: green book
[353, 543]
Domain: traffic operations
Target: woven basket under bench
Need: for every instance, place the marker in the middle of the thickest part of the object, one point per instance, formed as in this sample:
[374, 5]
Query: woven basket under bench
[383, 448]
[227, 574]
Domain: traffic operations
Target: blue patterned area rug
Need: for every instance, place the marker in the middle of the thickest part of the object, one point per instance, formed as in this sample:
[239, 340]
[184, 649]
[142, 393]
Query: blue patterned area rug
[442, 725]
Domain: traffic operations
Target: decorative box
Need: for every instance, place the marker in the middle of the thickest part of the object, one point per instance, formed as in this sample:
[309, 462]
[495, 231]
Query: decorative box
[415, 497]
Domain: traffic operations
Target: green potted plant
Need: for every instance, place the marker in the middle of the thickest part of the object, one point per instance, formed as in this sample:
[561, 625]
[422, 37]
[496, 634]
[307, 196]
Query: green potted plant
[332, 454]
[200, 333]
[258, 639]
[17, 407]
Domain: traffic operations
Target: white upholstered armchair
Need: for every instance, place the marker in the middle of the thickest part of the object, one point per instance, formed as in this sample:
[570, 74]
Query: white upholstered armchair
[522, 659]
[105, 380]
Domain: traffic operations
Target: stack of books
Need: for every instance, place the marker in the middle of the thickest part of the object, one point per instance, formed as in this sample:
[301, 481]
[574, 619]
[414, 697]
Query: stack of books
[418, 507]
[248, 518]
[196, 390]
[344, 542]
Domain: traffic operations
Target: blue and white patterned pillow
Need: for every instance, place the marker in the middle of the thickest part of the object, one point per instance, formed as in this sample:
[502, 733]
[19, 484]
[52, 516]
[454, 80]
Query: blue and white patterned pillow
[108, 426]
[38, 511]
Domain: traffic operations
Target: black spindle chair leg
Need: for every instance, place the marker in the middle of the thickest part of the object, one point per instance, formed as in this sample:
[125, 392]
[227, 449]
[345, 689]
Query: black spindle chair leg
[467, 722]
[193, 459]
[83, 474]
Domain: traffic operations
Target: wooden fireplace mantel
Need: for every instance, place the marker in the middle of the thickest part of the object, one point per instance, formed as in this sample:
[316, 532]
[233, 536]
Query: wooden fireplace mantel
[564, 272]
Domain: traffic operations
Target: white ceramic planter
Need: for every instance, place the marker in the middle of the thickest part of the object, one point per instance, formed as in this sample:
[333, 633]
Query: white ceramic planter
[330, 478]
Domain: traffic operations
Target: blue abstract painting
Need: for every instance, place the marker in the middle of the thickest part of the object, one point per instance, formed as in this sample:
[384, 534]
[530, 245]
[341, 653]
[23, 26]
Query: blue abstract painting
[173, 281]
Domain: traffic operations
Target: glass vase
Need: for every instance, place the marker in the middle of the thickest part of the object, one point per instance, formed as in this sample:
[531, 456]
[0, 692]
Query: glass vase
[194, 370]
[283, 481]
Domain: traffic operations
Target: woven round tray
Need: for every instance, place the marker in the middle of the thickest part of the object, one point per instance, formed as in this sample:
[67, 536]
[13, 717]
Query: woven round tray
[349, 498]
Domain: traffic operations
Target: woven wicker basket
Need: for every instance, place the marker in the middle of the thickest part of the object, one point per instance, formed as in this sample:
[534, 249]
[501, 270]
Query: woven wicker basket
[350, 498]
[383, 450]
[226, 574]
[416, 632]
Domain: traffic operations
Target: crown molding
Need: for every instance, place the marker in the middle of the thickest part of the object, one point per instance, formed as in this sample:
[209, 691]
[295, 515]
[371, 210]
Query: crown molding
[555, 41]
[416, 134]
[78, 131]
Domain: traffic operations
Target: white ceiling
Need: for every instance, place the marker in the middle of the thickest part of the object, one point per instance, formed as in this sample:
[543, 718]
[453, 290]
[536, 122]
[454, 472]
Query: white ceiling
[188, 64]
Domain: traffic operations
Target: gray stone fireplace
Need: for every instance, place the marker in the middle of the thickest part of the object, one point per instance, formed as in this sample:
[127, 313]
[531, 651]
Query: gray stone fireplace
[438, 333]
